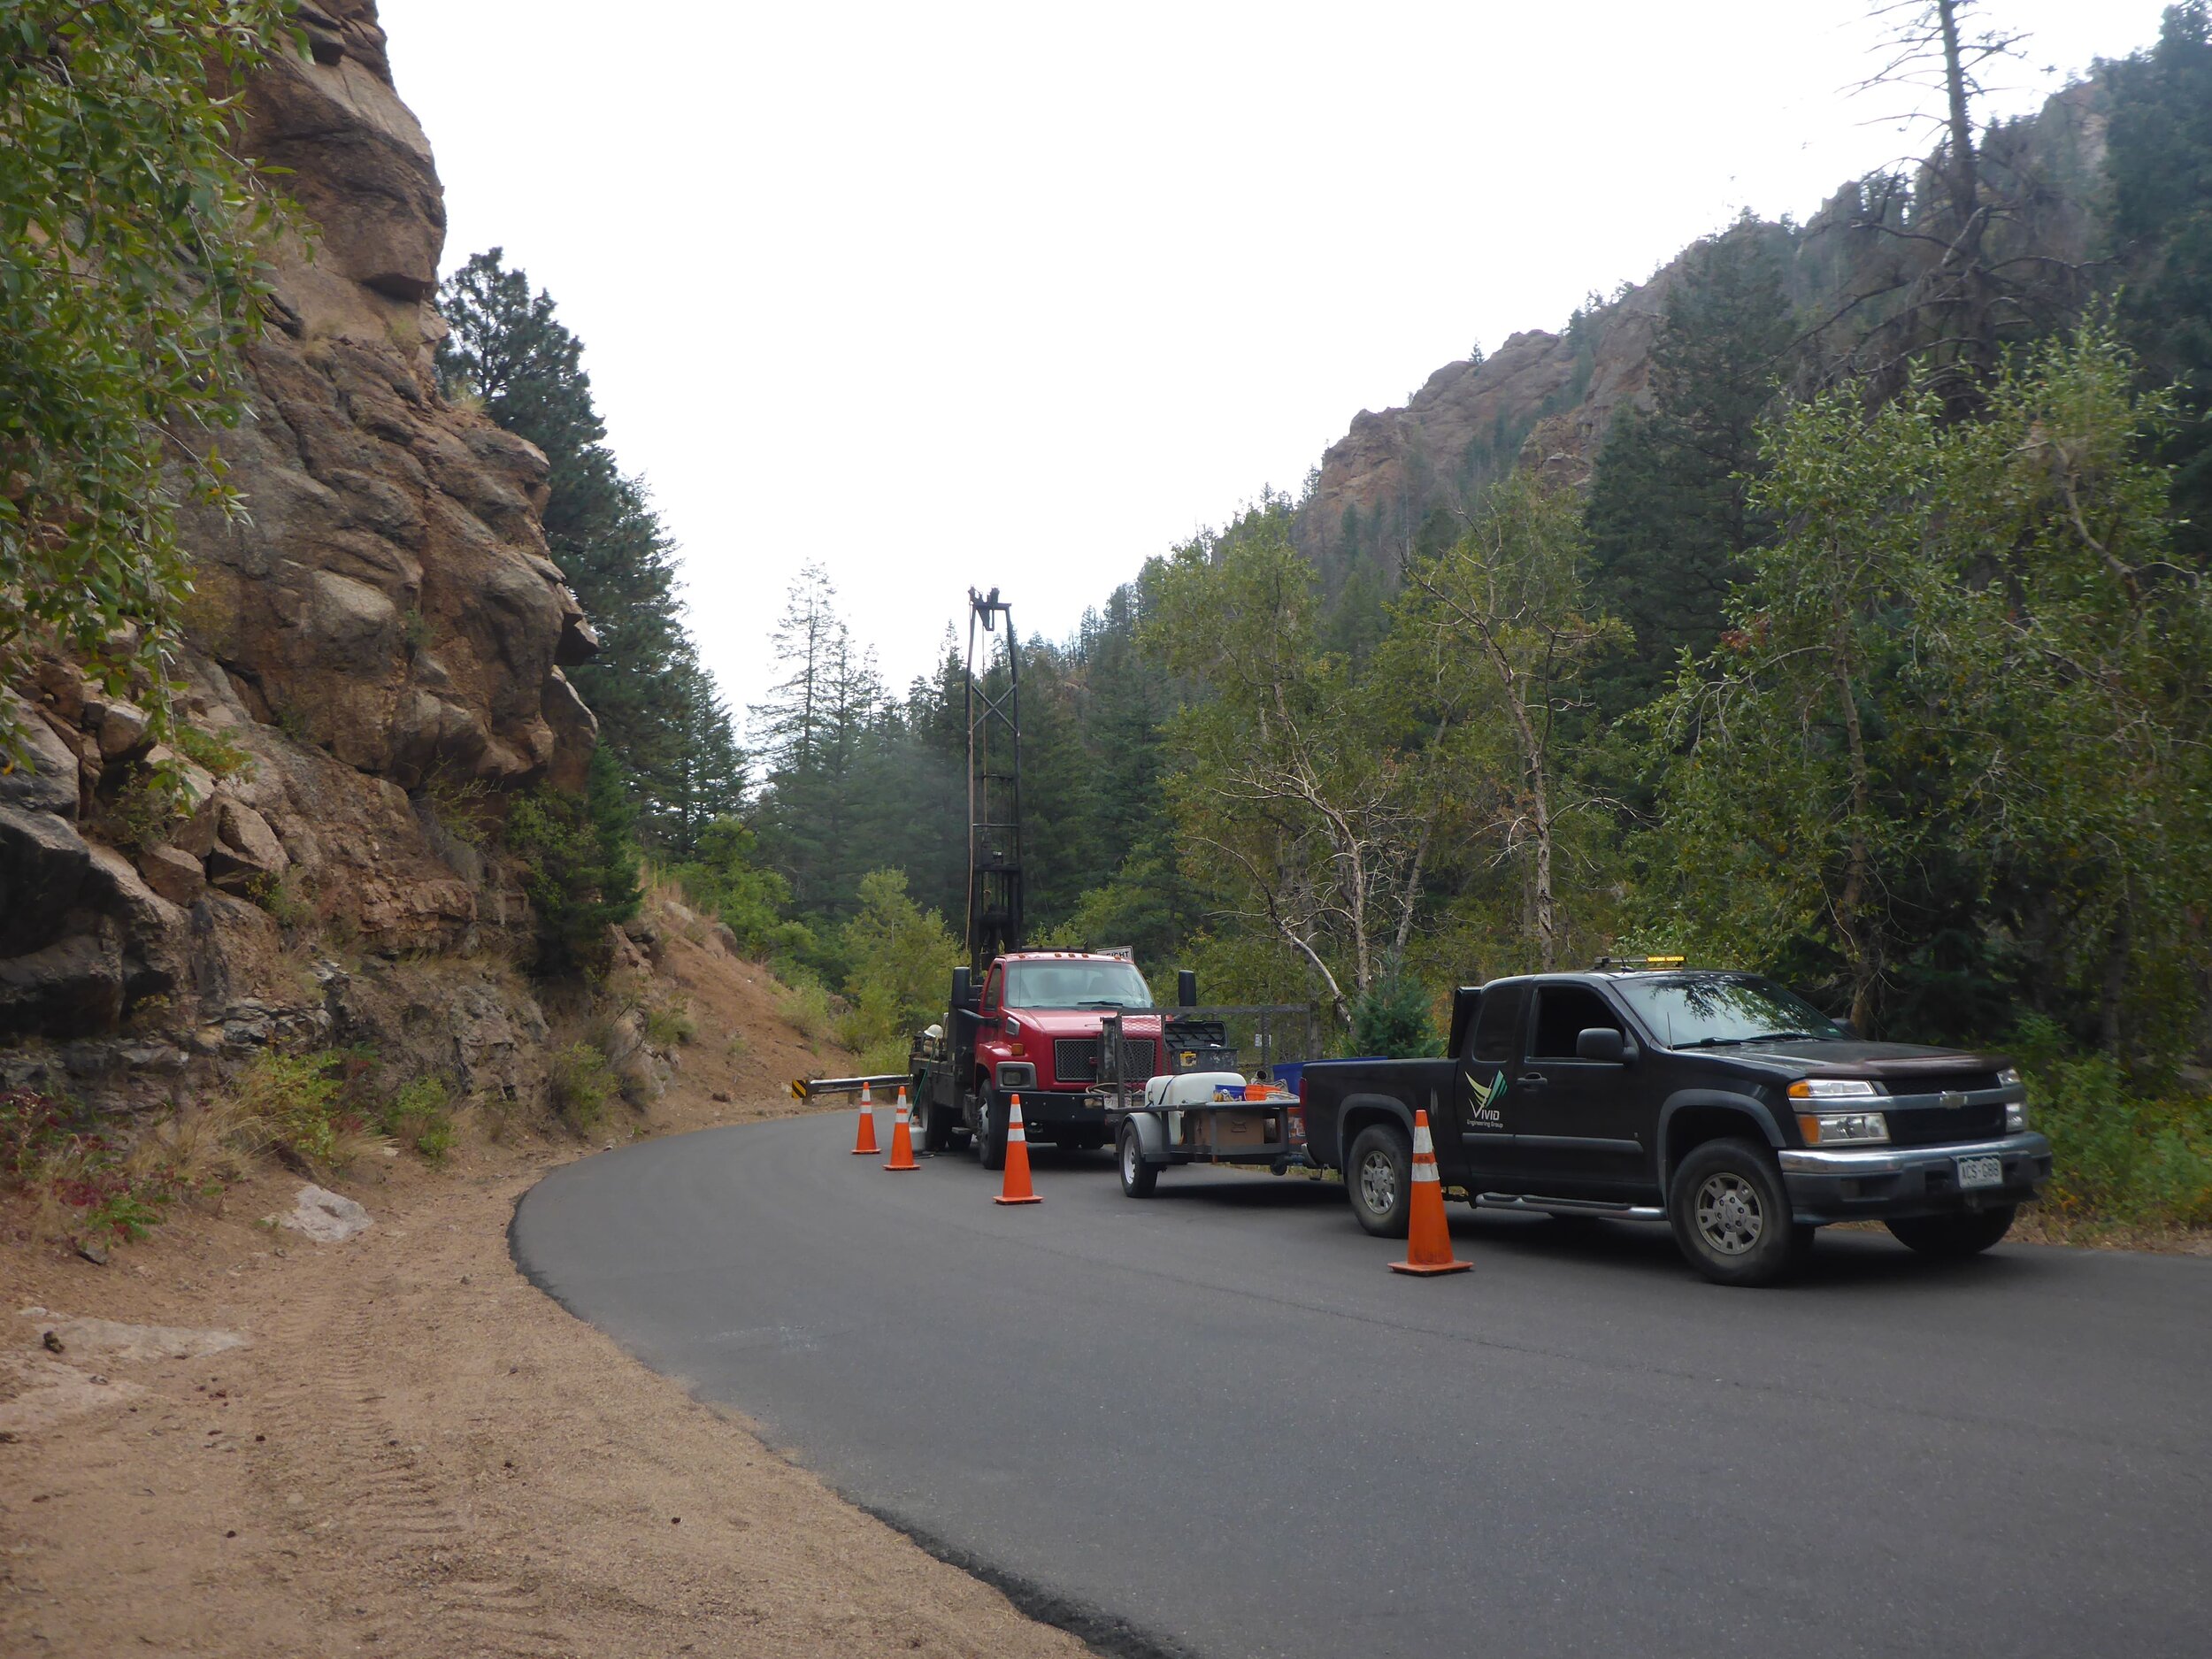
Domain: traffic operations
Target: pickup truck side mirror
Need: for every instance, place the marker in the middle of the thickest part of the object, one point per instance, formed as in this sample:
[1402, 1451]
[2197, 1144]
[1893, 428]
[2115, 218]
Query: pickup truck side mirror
[1602, 1042]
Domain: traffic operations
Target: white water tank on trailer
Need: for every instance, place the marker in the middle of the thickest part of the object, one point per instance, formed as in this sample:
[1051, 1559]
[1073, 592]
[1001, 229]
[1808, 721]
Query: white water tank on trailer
[1188, 1088]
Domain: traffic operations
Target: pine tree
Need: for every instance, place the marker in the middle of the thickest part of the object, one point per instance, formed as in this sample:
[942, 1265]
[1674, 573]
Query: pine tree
[658, 714]
[2159, 164]
[1667, 518]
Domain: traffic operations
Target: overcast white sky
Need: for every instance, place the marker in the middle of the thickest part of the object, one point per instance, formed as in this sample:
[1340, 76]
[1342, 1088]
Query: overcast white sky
[1022, 294]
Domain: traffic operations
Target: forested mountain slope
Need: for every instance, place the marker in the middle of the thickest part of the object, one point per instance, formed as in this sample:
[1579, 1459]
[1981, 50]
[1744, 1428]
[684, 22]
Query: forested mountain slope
[1401, 475]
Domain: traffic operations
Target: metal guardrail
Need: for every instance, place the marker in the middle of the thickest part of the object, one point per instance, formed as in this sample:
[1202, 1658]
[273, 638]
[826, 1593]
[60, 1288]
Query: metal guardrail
[810, 1087]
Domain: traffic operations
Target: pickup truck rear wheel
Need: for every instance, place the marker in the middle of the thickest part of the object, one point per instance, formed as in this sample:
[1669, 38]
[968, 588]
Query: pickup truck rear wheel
[1953, 1236]
[1379, 1175]
[1137, 1178]
[1731, 1214]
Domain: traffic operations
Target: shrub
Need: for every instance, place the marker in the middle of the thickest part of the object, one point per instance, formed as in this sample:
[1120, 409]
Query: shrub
[2119, 1158]
[57, 1154]
[420, 1116]
[581, 1083]
[212, 754]
[721, 878]
[808, 1008]
[290, 1102]
[902, 958]
[142, 811]
[668, 1023]
[274, 894]
[886, 1055]
[1392, 1018]
[578, 866]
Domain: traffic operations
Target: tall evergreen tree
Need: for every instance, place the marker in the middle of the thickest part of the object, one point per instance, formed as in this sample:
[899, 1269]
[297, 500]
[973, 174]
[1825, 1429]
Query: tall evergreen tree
[1668, 516]
[2159, 164]
[658, 713]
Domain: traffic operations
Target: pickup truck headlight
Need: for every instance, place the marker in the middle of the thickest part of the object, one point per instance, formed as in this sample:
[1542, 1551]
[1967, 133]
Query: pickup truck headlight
[1837, 1129]
[1835, 1088]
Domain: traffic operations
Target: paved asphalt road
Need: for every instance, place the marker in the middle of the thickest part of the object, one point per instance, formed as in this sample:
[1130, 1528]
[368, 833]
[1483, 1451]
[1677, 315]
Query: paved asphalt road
[1213, 1421]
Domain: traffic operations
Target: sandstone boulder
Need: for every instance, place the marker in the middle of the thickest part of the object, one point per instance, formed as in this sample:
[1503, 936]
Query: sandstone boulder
[119, 725]
[361, 164]
[173, 873]
[246, 850]
[70, 988]
[325, 1217]
[154, 931]
[44, 863]
[45, 780]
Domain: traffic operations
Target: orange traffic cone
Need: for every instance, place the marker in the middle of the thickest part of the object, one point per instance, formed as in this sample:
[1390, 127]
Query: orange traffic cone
[1428, 1236]
[865, 1145]
[902, 1139]
[1017, 1189]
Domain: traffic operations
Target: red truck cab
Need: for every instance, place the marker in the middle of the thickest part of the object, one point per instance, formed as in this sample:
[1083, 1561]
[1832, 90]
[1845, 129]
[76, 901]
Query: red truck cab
[1033, 1031]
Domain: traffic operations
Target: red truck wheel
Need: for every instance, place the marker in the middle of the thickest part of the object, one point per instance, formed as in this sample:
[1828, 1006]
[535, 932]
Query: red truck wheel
[990, 1131]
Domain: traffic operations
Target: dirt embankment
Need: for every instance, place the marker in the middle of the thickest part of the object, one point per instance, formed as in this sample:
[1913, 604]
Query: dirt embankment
[412, 1452]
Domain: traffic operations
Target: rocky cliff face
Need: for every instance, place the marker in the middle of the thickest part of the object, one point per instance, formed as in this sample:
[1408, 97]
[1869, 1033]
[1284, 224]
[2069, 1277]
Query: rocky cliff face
[1465, 427]
[374, 659]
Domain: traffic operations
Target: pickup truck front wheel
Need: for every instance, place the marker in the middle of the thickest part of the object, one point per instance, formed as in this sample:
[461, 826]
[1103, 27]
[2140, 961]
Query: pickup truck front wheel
[1378, 1174]
[1137, 1178]
[1732, 1217]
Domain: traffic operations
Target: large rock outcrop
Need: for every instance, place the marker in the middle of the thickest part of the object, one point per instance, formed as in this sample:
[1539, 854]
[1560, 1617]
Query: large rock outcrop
[373, 665]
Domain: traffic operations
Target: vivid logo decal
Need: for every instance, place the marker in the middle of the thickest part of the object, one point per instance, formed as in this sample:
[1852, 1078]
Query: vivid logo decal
[1482, 1110]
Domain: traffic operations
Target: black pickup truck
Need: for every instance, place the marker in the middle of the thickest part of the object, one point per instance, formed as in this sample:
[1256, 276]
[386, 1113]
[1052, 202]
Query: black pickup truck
[1718, 1101]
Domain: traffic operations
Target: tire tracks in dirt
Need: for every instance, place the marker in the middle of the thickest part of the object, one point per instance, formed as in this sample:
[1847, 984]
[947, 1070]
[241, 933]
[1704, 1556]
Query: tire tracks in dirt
[382, 1501]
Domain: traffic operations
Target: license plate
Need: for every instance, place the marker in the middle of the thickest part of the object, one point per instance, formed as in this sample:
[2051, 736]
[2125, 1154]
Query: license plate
[1977, 1173]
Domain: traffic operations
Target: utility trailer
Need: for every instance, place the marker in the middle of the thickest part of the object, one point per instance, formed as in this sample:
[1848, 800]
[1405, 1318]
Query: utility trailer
[1203, 1109]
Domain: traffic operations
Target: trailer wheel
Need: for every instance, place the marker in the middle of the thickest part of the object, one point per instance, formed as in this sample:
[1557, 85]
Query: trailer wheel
[1379, 1175]
[1137, 1178]
[933, 1123]
[990, 1128]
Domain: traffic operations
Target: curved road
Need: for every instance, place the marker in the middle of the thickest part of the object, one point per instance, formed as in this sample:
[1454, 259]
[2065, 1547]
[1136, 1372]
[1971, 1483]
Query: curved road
[1213, 1423]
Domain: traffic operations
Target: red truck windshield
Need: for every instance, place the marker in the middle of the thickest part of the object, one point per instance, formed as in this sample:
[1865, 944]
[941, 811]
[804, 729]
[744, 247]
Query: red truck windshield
[1076, 984]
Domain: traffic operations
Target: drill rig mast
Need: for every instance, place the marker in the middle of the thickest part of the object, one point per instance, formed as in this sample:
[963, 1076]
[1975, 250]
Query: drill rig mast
[995, 787]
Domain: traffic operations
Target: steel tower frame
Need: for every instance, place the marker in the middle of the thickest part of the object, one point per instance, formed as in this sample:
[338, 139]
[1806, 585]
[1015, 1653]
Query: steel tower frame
[995, 790]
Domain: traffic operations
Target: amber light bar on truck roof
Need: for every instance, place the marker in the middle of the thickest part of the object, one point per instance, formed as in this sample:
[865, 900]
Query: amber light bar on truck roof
[1623, 964]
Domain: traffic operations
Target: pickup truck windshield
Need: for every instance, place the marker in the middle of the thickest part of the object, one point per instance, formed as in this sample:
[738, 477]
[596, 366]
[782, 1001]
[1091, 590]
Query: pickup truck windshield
[1712, 1009]
[1076, 984]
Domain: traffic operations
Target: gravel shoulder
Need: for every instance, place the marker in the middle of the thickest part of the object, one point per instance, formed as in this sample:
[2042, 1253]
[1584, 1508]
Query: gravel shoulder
[413, 1451]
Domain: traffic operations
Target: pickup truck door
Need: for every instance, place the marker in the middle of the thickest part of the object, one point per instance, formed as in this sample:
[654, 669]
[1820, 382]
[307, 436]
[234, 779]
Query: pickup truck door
[1577, 1131]
[1484, 1107]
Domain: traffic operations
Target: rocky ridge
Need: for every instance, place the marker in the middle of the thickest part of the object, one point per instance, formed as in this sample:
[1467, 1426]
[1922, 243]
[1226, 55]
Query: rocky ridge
[1380, 483]
[372, 664]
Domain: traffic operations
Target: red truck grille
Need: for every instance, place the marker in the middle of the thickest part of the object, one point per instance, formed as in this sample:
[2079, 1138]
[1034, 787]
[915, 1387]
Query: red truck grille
[1075, 1059]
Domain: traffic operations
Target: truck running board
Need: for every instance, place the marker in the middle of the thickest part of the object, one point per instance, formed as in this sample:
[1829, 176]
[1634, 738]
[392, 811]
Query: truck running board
[1568, 1206]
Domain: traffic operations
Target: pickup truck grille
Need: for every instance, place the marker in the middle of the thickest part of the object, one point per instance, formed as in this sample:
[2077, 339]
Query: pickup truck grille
[1075, 1059]
[1933, 1126]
